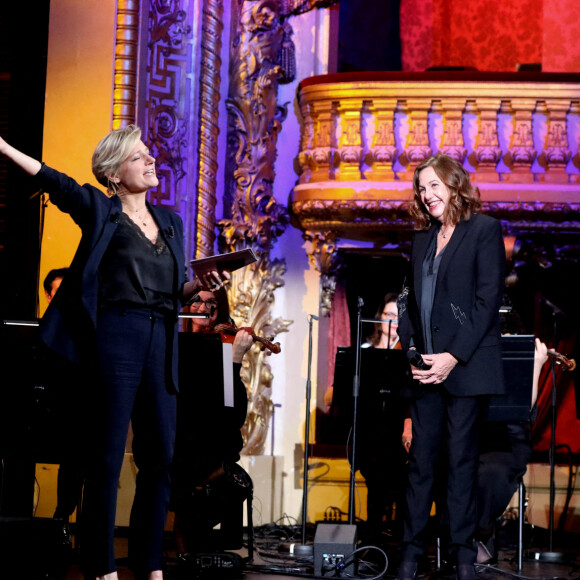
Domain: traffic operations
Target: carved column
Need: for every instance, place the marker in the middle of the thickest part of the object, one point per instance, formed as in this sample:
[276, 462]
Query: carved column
[209, 97]
[575, 147]
[382, 150]
[487, 152]
[521, 152]
[126, 47]
[557, 152]
[253, 216]
[305, 158]
[325, 145]
[417, 148]
[350, 146]
[453, 143]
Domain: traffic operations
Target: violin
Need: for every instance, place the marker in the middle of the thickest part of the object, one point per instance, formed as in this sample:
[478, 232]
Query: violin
[229, 332]
[568, 363]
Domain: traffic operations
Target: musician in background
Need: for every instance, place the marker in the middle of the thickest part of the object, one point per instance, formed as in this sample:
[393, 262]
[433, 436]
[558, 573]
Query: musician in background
[385, 333]
[208, 440]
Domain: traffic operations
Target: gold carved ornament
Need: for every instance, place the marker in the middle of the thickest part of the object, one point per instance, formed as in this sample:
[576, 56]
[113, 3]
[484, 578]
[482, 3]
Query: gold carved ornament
[253, 218]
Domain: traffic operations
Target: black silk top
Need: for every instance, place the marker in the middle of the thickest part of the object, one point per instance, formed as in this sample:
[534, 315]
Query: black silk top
[136, 272]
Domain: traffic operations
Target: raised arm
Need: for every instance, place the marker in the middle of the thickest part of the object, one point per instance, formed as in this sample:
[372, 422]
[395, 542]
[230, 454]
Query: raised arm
[26, 163]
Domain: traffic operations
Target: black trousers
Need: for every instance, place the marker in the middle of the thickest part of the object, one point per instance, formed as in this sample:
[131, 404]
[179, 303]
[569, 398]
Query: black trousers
[132, 350]
[443, 423]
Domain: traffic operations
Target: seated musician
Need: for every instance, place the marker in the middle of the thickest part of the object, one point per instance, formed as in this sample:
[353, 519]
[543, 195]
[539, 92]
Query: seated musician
[209, 440]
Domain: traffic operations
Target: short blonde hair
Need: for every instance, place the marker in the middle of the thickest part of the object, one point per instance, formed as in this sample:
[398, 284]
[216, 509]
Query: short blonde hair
[111, 151]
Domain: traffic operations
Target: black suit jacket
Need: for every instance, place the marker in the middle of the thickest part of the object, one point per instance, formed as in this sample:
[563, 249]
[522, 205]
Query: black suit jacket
[468, 295]
[68, 326]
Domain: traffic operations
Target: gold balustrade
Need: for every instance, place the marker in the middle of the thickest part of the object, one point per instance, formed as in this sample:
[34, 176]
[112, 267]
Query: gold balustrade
[363, 134]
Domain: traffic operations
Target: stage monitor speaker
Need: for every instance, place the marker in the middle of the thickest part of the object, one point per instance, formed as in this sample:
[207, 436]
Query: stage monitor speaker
[334, 545]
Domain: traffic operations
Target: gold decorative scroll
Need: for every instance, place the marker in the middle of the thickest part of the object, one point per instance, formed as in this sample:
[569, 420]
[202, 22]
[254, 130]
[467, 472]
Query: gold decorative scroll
[253, 216]
[126, 49]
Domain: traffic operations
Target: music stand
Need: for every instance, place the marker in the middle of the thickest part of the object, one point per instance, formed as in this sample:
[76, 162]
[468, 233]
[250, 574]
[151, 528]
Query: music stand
[370, 365]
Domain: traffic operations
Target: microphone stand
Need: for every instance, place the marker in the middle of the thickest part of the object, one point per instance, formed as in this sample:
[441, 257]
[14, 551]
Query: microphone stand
[305, 549]
[355, 394]
[307, 432]
[551, 555]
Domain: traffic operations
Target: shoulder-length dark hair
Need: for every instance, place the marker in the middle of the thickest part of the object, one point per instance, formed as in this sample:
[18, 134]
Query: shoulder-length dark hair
[464, 198]
[375, 337]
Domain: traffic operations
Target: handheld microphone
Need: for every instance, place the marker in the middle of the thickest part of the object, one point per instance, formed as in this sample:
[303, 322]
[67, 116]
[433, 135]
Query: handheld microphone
[417, 361]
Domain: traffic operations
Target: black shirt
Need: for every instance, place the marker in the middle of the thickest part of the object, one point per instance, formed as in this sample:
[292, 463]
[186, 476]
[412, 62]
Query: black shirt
[429, 281]
[135, 272]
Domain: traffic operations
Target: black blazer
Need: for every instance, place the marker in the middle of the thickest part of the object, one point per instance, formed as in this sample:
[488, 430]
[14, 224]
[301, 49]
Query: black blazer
[468, 295]
[68, 326]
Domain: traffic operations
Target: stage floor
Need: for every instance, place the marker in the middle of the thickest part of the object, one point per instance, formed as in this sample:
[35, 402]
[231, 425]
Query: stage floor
[271, 559]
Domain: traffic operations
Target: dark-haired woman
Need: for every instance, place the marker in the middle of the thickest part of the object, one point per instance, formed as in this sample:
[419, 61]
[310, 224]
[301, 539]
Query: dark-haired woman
[449, 313]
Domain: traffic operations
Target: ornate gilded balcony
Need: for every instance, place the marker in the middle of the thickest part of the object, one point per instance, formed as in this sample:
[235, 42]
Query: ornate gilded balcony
[363, 134]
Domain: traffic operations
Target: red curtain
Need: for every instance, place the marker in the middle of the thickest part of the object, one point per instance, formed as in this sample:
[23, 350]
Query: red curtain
[338, 328]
